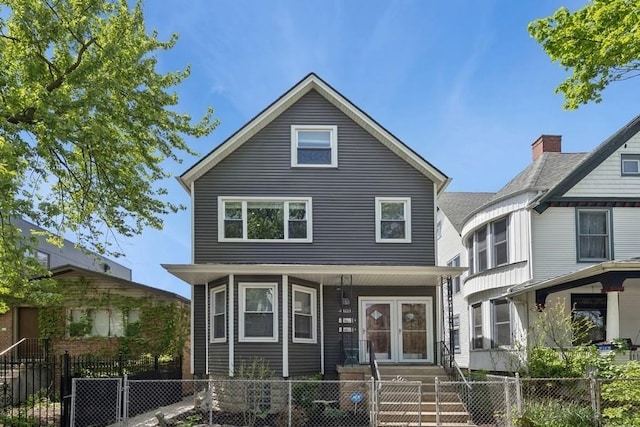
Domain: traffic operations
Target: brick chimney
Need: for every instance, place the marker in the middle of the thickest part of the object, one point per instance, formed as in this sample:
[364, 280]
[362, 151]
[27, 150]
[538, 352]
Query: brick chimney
[546, 144]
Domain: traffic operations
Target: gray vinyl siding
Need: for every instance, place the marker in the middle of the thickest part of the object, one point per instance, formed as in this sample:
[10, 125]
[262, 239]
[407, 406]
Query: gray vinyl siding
[219, 352]
[333, 338]
[246, 352]
[199, 345]
[304, 358]
[343, 198]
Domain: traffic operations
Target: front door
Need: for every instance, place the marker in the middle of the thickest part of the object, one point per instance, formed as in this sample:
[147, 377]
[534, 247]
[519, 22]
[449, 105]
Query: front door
[399, 328]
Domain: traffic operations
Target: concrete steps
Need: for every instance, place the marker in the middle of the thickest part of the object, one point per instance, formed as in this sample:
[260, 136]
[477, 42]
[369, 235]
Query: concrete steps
[397, 408]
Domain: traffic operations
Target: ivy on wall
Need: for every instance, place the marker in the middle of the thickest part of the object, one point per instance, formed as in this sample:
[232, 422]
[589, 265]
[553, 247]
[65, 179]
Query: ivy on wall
[162, 328]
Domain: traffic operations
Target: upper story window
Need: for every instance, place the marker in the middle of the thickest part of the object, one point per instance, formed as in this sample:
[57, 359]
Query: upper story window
[314, 146]
[630, 165]
[455, 282]
[393, 220]
[218, 314]
[258, 312]
[594, 234]
[305, 315]
[43, 258]
[488, 246]
[264, 219]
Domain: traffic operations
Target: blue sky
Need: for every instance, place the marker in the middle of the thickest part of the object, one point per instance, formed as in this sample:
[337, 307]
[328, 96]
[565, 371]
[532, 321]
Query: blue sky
[461, 82]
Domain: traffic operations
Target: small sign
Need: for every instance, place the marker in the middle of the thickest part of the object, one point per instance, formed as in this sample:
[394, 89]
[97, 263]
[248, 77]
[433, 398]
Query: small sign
[345, 320]
[345, 310]
[347, 329]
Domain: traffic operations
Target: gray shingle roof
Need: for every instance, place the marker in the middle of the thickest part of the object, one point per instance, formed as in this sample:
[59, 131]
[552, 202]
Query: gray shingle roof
[458, 205]
[545, 172]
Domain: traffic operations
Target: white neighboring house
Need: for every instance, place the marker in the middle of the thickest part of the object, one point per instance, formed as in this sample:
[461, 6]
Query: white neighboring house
[451, 252]
[567, 227]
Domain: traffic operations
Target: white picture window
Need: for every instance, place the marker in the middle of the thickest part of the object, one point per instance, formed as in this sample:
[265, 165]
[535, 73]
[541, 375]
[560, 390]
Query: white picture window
[594, 235]
[304, 314]
[96, 322]
[393, 220]
[218, 310]
[314, 146]
[264, 219]
[258, 312]
[630, 165]
[501, 323]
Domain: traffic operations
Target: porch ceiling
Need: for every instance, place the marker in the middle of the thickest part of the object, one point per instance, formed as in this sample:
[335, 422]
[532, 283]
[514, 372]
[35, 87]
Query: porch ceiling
[369, 275]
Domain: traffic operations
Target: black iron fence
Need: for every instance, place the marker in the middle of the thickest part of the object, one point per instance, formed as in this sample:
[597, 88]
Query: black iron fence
[35, 389]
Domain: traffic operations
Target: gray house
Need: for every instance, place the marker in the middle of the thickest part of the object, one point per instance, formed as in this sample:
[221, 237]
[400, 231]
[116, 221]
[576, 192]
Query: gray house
[313, 241]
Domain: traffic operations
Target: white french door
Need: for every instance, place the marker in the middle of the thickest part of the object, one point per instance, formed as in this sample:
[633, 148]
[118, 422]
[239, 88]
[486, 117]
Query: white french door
[399, 328]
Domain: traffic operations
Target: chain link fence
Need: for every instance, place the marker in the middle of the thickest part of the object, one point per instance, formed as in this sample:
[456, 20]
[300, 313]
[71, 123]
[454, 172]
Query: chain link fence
[494, 402]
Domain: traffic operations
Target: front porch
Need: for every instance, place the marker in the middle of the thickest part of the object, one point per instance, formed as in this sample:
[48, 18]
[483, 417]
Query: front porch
[321, 316]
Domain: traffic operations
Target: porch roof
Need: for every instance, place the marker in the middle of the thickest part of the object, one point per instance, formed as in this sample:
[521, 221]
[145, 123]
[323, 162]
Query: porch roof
[370, 275]
[615, 271]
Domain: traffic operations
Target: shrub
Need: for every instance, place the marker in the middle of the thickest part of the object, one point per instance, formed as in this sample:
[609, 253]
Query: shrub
[621, 397]
[553, 413]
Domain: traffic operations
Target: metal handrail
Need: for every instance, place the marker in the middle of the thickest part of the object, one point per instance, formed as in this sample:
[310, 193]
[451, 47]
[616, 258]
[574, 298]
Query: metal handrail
[2, 353]
[373, 363]
[453, 365]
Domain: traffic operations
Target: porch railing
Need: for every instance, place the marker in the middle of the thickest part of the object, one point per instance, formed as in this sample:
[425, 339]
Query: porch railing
[28, 348]
[373, 363]
[451, 367]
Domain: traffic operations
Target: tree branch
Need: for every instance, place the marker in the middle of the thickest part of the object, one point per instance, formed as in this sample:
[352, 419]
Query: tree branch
[58, 82]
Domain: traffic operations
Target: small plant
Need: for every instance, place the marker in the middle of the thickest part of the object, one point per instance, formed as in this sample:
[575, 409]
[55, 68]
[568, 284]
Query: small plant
[298, 418]
[554, 413]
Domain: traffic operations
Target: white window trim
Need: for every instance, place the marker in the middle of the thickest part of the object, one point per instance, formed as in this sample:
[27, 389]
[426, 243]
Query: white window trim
[475, 326]
[494, 323]
[457, 350]
[407, 219]
[244, 200]
[455, 262]
[333, 138]
[314, 314]
[214, 291]
[242, 288]
[633, 158]
[607, 213]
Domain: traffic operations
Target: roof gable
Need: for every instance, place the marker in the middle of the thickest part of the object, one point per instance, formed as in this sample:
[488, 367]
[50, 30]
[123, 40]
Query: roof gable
[266, 116]
[589, 163]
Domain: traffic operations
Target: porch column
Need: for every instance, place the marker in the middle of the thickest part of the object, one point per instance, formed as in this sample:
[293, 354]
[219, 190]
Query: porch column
[613, 315]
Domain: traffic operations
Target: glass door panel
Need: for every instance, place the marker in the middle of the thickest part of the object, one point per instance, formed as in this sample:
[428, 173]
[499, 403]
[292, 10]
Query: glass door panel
[378, 329]
[413, 331]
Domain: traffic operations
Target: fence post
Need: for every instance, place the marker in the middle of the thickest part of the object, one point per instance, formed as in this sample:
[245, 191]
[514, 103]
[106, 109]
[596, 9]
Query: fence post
[507, 400]
[289, 401]
[594, 398]
[518, 394]
[65, 389]
[125, 401]
[120, 365]
[437, 391]
[373, 402]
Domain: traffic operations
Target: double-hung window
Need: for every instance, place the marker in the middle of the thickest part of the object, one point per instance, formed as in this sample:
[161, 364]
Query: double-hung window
[501, 323]
[314, 146]
[630, 165]
[264, 219]
[476, 326]
[43, 258]
[594, 235]
[456, 333]
[481, 249]
[393, 220]
[455, 262]
[258, 312]
[304, 314]
[218, 314]
[488, 246]
[499, 242]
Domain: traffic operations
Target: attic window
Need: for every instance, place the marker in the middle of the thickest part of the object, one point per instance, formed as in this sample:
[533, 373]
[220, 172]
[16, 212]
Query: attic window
[314, 146]
[630, 165]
